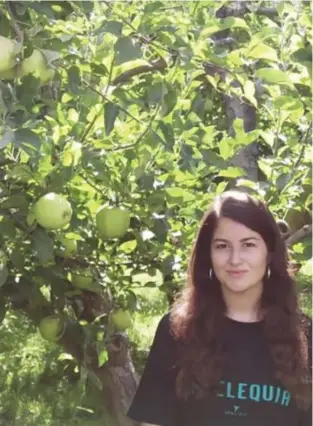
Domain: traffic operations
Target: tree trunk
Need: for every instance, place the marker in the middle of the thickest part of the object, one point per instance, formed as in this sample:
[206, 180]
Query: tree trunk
[246, 158]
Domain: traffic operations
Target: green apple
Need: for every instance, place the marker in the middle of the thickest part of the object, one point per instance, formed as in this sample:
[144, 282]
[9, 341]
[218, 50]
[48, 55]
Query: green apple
[121, 319]
[36, 64]
[68, 248]
[51, 328]
[112, 222]
[47, 75]
[84, 280]
[53, 211]
[7, 54]
[10, 74]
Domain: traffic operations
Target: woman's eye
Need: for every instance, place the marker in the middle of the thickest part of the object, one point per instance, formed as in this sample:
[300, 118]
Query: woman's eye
[220, 246]
[250, 245]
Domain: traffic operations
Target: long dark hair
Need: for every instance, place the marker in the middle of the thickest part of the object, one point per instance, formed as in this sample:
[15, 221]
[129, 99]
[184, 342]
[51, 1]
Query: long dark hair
[198, 313]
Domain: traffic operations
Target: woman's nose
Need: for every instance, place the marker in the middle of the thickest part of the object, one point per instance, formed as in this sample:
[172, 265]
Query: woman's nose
[235, 256]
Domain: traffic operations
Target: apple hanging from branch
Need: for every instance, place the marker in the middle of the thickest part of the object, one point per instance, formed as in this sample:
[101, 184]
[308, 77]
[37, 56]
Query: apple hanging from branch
[52, 211]
[8, 52]
[112, 222]
[36, 64]
[52, 328]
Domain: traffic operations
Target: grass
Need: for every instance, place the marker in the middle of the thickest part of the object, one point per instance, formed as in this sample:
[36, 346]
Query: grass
[36, 391]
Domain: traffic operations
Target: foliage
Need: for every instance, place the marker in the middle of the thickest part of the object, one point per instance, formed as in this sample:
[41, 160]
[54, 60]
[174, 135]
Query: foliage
[132, 116]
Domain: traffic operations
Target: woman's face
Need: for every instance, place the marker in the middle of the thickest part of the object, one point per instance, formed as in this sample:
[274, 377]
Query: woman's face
[236, 248]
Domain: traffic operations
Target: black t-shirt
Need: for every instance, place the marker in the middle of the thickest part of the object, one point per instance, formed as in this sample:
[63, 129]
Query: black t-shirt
[248, 395]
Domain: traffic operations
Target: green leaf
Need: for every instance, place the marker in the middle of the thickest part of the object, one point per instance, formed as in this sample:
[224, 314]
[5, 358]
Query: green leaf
[87, 6]
[113, 27]
[160, 229]
[226, 148]
[110, 113]
[156, 92]
[273, 76]
[74, 80]
[43, 245]
[169, 102]
[128, 246]
[232, 172]
[43, 8]
[175, 192]
[4, 273]
[224, 24]
[21, 172]
[27, 140]
[269, 137]
[249, 92]
[17, 258]
[288, 103]
[51, 55]
[265, 167]
[307, 268]
[126, 49]
[15, 201]
[103, 356]
[7, 138]
[263, 51]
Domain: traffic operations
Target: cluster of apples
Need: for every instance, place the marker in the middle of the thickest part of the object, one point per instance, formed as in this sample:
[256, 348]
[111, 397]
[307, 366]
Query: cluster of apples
[36, 64]
[53, 212]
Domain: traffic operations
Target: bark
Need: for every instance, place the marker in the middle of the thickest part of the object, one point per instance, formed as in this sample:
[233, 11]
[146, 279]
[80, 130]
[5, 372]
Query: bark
[117, 377]
[246, 158]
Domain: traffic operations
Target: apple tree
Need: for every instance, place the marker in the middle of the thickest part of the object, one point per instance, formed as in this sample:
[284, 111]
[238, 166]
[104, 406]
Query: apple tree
[119, 124]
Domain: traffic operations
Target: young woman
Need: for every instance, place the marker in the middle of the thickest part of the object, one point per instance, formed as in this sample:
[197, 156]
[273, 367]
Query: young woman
[235, 349]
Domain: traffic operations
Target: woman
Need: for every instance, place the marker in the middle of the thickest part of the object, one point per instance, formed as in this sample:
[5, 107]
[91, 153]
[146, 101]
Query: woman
[235, 348]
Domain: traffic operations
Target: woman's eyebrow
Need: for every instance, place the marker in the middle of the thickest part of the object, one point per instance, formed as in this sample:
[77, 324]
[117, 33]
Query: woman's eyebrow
[242, 240]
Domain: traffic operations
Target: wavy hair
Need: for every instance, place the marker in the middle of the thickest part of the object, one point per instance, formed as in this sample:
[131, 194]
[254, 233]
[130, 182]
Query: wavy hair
[198, 313]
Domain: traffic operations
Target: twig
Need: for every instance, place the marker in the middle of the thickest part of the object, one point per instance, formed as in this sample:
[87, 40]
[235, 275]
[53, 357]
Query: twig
[11, 9]
[105, 93]
[151, 43]
[304, 139]
[132, 145]
[305, 231]
[104, 97]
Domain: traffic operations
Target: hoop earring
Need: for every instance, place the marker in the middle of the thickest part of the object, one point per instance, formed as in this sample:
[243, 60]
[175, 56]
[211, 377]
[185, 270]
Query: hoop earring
[210, 273]
[268, 273]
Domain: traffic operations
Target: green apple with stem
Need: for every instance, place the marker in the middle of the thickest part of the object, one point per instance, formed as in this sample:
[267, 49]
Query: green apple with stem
[121, 319]
[112, 222]
[52, 328]
[8, 51]
[68, 247]
[52, 211]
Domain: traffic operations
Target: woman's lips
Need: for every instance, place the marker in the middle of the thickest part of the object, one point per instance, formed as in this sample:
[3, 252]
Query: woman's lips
[237, 273]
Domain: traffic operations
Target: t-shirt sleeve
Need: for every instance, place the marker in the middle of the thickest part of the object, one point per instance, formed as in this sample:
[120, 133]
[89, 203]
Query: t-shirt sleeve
[154, 400]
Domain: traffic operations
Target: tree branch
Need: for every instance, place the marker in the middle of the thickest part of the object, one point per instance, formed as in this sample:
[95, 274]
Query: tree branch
[157, 65]
[12, 12]
[267, 11]
[305, 231]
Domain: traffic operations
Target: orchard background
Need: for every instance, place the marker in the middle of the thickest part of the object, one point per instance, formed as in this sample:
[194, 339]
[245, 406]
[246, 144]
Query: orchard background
[153, 108]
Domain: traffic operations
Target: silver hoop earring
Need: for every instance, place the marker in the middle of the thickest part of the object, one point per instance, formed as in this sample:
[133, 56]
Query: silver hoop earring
[210, 273]
[268, 273]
